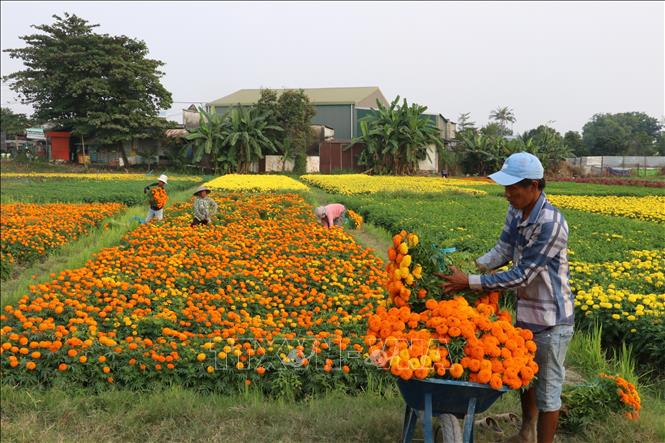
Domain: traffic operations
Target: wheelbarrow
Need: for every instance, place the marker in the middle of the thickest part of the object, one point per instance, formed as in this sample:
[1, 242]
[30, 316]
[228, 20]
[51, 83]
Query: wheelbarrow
[434, 397]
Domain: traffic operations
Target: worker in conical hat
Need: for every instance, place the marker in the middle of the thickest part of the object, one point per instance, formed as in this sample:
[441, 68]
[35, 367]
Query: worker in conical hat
[204, 207]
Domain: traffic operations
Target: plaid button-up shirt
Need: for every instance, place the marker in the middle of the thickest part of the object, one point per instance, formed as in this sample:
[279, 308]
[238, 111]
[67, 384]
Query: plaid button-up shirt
[538, 248]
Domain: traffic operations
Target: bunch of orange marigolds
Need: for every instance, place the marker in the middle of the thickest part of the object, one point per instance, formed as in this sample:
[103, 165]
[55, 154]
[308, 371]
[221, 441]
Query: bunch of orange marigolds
[355, 218]
[158, 197]
[402, 273]
[627, 394]
[449, 338]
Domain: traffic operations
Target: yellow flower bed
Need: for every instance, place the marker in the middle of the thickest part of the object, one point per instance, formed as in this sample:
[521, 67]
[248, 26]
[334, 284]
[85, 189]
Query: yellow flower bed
[650, 208]
[622, 290]
[97, 176]
[349, 184]
[260, 183]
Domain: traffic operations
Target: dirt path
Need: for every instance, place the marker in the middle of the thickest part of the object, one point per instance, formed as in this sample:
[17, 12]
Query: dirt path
[372, 241]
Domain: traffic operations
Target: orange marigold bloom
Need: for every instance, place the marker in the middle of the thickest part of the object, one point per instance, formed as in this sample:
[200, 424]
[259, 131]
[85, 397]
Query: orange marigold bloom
[456, 370]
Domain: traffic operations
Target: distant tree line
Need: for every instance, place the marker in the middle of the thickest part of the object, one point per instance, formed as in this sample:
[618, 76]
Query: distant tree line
[482, 150]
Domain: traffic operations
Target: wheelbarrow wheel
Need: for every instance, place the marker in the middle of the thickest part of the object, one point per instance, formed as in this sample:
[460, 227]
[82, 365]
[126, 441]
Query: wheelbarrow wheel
[447, 429]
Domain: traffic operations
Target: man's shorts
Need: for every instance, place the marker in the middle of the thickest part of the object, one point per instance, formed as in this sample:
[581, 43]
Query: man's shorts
[552, 346]
[159, 215]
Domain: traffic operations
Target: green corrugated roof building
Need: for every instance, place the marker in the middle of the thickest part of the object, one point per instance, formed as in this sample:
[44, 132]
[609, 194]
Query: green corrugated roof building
[358, 96]
[338, 108]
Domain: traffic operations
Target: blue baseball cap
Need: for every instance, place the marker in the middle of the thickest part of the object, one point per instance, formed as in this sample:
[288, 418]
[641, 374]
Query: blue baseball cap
[517, 167]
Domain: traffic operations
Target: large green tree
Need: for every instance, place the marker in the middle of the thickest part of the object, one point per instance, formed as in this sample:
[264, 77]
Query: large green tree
[292, 112]
[397, 137]
[13, 124]
[573, 140]
[660, 144]
[484, 152]
[295, 114]
[549, 145]
[543, 134]
[97, 85]
[627, 133]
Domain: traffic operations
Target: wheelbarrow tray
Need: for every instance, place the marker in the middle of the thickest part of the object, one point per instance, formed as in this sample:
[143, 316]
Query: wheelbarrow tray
[435, 397]
[448, 396]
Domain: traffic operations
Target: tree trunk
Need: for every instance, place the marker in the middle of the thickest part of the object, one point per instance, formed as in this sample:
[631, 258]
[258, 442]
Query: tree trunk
[121, 145]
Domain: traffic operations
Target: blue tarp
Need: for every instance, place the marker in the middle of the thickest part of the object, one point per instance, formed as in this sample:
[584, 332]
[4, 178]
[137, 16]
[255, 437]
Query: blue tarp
[618, 171]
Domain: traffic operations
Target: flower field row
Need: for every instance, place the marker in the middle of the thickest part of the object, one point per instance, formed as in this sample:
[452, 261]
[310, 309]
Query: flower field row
[53, 188]
[615, 181]
[472, 224]
[349, 184]
[213, 307]
[256, 183]
[651, 208]
[30, 231]
[627, 298]
[100, 176]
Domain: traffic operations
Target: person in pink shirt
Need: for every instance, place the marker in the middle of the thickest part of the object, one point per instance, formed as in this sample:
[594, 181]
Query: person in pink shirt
[332, 214]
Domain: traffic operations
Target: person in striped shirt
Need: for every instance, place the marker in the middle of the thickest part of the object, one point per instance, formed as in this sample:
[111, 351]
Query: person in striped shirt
[535, 239]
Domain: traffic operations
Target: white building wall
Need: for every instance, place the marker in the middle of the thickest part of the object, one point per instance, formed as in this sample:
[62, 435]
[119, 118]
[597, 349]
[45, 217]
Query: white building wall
[313, 164]
[274, 163]
[430, 164]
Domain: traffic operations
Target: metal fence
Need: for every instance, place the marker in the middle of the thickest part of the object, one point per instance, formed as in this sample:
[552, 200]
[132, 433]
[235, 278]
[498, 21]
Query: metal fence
[619, 165]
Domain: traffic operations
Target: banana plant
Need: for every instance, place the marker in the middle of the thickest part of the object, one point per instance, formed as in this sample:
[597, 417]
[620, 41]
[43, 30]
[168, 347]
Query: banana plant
[206, 140]
[244, 135]
[396, 138]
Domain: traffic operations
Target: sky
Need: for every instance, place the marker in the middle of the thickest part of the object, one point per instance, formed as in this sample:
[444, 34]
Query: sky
[555, 63]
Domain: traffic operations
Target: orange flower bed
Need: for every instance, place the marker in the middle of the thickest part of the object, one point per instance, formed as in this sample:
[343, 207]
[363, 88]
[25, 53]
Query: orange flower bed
[30, 231]
[424, 337]
[263, 290]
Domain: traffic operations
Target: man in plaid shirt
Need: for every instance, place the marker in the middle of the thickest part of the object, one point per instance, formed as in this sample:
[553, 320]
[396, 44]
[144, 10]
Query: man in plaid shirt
[535, 238]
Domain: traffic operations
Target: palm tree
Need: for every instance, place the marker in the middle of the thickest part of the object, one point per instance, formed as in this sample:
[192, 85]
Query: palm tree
[503, 115]
[244, 136]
